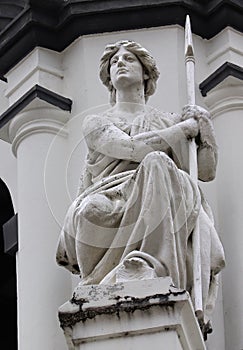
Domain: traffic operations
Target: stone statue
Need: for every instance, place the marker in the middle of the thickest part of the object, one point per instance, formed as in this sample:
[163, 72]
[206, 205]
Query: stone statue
[137, 206]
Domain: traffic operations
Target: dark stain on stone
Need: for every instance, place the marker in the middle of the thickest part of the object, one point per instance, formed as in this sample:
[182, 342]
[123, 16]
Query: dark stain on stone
[128, 304]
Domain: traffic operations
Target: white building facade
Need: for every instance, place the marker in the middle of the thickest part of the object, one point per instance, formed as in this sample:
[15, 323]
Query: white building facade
[49, 55]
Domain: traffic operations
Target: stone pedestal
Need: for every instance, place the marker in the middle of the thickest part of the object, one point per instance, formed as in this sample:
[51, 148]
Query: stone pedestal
[132, 315]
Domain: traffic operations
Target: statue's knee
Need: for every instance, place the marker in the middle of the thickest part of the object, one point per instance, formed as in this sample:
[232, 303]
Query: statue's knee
[93, 207]
[88, 207]
[157, 157]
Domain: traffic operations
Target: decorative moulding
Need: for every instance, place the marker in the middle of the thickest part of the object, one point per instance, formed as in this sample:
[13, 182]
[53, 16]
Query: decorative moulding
[42, 67]
[226, 46]
[56, 24]
[227, 69]
[225, 97]
[37, 92]
[51, 126]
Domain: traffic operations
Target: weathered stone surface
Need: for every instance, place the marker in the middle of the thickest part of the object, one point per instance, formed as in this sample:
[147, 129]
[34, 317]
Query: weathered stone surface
[90, 301]
[136, 311]
[138, 206]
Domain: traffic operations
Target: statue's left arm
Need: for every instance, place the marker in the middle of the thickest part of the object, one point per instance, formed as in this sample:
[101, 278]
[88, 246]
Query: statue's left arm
[207, 154]
[207, 157]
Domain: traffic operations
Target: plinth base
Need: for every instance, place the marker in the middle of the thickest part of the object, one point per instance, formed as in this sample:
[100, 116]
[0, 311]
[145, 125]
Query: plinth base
[131, 315]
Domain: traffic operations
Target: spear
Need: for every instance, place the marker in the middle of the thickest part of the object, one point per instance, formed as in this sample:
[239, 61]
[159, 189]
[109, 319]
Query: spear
[190, 80]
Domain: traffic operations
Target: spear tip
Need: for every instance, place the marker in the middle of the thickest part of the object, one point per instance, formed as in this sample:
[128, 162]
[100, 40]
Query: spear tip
[189, 50]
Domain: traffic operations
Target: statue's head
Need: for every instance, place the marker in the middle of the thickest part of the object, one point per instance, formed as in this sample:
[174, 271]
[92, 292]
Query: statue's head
[147, 61]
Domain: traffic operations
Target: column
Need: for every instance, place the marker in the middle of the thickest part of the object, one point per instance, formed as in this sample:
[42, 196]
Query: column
[38, 137]
[226, 104]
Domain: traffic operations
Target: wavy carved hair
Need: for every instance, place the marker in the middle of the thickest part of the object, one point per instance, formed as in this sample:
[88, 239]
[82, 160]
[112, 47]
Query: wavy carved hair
[146, 59]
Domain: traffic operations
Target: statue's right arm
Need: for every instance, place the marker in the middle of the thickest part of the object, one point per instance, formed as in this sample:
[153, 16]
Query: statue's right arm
[104, 137]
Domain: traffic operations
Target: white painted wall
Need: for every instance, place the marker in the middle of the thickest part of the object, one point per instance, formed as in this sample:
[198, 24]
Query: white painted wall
[74, 73]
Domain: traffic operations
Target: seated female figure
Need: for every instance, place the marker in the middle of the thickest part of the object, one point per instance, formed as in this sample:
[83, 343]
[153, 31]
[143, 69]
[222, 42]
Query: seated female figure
[136, 211]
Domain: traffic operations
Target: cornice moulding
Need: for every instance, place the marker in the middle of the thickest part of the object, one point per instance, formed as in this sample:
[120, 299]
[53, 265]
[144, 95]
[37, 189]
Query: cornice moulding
[56, 24]
[35, 127]
[227, 69]
[225, 97]
[39, 67]
[37, 92]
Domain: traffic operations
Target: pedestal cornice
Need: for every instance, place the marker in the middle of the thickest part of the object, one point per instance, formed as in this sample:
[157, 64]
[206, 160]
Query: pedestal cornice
[130, 309]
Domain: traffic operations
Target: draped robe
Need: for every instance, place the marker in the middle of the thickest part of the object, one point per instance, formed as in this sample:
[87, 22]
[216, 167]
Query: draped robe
[146, 210]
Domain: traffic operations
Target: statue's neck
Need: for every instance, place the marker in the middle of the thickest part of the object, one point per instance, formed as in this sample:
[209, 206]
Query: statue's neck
[130, 101]
[133, 94]
[128, 110]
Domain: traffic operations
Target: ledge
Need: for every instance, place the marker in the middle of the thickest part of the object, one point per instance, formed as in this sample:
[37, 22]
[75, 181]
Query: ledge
[56, 24]
[153, 307]
[40, 92]
[219, 75]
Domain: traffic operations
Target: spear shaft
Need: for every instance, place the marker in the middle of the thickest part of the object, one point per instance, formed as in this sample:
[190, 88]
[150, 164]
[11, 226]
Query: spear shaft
[190, 80]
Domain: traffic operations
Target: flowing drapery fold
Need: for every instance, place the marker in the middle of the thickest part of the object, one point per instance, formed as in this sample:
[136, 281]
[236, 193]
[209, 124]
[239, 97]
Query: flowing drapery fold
[146, 210]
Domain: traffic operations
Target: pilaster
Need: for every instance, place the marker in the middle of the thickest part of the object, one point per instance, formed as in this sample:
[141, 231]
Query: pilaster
[226, 104]
[35, 125]
[41, 66]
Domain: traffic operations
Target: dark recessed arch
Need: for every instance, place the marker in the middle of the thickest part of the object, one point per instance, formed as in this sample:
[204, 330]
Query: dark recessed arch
[8, 293]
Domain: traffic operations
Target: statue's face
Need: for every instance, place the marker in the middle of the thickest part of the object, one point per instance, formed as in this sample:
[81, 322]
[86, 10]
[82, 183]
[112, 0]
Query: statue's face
[125, 69]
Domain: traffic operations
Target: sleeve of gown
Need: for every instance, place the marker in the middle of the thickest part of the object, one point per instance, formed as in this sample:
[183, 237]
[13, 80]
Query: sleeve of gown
[207, 151]
[103, 136]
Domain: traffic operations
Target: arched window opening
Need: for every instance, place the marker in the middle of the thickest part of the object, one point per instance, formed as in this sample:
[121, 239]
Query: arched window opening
[8, 293]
